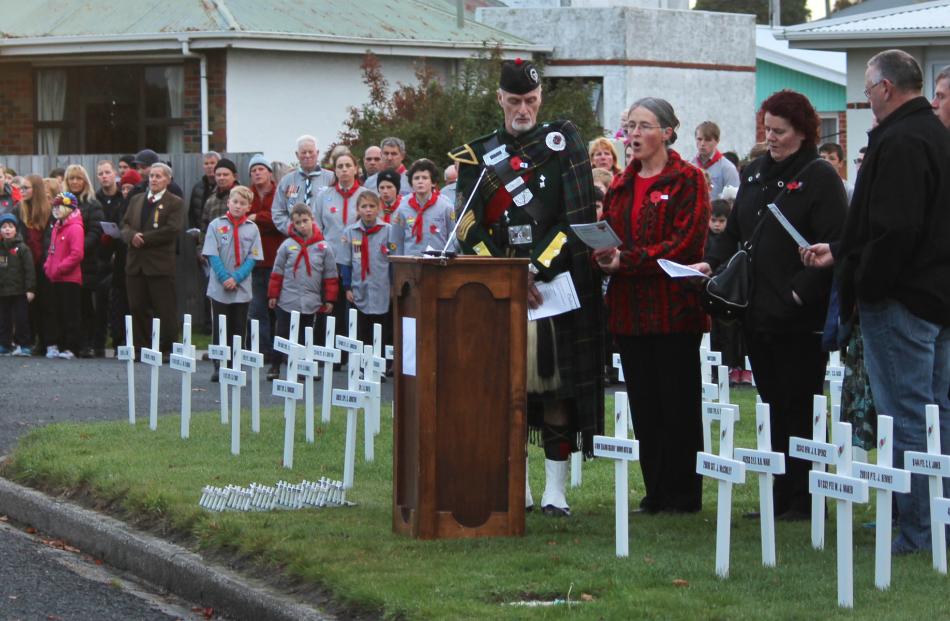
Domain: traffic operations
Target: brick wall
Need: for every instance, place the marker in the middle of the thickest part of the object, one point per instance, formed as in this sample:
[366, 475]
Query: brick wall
[217, 103]
[16, 109]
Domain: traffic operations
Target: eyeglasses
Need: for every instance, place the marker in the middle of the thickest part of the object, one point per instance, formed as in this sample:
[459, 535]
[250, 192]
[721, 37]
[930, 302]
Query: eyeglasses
[629, 128]
[867, 91]
[858, 160]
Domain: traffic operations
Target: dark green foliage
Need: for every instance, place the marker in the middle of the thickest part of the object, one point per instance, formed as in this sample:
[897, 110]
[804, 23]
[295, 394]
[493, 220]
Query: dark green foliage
[793, 11]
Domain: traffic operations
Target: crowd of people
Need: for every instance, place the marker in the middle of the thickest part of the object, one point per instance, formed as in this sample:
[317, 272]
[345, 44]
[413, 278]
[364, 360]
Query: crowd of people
[313, 239]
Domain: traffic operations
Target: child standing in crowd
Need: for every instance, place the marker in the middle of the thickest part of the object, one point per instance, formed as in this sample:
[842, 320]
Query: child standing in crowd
[726, 336]
[387, 185]
[425, 219]
[36, 226]
[17, 289]
[304, 278]
[365, 270]
[232, 246]
[64, 271]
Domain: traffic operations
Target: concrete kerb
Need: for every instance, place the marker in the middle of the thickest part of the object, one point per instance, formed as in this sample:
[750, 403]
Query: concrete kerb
[163, 564]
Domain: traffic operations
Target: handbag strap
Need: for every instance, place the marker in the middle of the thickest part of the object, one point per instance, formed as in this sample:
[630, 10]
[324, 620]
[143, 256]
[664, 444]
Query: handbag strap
[747, 246]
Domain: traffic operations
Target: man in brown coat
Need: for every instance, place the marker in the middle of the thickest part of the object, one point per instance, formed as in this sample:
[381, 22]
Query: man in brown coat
[150, 227]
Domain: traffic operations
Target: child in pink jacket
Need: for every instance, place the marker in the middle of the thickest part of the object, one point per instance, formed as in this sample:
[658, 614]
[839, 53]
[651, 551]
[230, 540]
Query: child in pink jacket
[63, 270]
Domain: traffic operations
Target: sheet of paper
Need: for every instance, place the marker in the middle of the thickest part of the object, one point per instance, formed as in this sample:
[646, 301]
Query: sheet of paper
[409, 345]
[678, 270]
[788, 226]
[597, 235]
[558, 296]
[111, 229]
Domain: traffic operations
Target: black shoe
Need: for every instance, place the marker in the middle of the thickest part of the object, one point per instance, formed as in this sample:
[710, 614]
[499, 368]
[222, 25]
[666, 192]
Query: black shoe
[557, 512]
[214, 374]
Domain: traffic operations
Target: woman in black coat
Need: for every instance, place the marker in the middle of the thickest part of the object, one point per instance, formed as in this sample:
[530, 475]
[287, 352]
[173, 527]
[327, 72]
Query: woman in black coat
[77, 181]
[784, 321]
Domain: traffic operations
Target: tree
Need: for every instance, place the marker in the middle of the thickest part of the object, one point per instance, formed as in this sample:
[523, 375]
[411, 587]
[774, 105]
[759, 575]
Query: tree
[433, 117]
[793, 11]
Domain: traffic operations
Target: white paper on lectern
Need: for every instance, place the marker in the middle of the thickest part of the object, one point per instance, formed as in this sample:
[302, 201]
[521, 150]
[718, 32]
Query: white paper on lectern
[557, 297]
[110, 229]
[597, 235]
[678, 270]
[409, 345]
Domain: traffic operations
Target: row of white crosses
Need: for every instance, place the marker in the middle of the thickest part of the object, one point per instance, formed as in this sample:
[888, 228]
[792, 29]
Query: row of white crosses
[303, 360]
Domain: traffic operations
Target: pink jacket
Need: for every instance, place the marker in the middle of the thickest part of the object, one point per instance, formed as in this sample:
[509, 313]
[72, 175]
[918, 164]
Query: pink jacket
[66, 250]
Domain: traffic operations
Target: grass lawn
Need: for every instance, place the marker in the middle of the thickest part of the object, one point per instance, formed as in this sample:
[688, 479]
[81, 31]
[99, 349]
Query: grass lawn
[155, 479]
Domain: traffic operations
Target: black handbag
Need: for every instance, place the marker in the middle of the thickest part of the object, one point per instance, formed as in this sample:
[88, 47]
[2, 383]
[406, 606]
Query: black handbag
[727, 293]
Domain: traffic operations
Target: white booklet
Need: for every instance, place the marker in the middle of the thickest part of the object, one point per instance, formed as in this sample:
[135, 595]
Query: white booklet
[678, 270]
[597, 235]
[558, 296]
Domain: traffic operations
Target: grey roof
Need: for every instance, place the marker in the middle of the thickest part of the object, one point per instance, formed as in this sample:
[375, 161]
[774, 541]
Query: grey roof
[394, 22]
[908, 22]
[869, 6]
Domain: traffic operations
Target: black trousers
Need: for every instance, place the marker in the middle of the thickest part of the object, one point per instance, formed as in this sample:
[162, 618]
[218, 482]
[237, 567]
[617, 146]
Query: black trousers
[100, 328]
[665, 392]
[66, 324]
[41, 309]
[235, 319]
[118, 309]
[15, 321]
[152, 296]
[283, 329]
[364, 327]
[789, 370]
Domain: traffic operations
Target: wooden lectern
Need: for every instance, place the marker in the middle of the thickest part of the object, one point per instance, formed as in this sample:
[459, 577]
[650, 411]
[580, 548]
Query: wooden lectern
[459, 434]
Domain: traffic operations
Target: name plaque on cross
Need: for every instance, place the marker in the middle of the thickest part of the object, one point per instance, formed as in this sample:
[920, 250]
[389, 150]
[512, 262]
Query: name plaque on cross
[351, 399]
[347, 344]
[182, 363]
[284, 346]
[924, 463]
[935, 467]
[287, 390]
[765, 462]
[721, 468]
[252, 359]
[326, 354]
[713, 358]
[308, 368]
[369, 387]
[125, 353]
[232, 377]
[151, 357]
[219, 352]
[710, 391]
[616, 448]
[812, 450]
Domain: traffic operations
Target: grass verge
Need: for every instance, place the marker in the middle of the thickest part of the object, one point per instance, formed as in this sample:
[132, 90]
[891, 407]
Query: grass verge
[154, 479]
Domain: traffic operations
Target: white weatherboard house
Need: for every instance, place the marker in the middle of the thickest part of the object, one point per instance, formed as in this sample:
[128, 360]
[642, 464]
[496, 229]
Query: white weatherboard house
[96, 76]
[921, 29]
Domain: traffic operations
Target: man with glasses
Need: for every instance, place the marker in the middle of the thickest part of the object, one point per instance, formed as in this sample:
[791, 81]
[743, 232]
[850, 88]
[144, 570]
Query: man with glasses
[893, 268]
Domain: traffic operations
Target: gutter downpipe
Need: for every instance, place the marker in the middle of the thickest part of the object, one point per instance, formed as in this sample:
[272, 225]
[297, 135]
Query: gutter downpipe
[203, 84]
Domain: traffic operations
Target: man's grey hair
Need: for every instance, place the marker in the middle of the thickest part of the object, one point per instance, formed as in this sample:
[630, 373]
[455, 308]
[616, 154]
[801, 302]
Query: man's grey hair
[899, 68]
[213, 154]
[162, 166]
[392, 141]
[307, 138]
[663, 111]
[943, 75]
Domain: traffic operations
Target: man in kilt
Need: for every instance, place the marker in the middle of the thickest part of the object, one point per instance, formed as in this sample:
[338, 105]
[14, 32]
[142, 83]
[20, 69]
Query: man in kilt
[530, 183]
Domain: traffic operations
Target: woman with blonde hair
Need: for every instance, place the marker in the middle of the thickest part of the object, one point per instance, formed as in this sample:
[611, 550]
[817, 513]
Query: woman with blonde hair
[53, 187]
[604, 155]
[93, 336]
[36, 226]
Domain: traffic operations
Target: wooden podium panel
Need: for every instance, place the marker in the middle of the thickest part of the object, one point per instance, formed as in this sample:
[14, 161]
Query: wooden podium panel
[459, 429]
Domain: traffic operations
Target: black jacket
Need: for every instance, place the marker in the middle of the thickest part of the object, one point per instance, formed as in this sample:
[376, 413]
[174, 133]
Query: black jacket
[17, 275]
[91, 212]
[816, 208]
[113, 208]
[203, 188]
[896, 241]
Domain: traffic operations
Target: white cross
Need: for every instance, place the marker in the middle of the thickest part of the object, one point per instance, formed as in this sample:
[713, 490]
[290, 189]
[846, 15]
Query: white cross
[153, 358]
[886, 480]
[846, 489]
[935, 467]
[354, 347]
[308, 369]
[615, 362]
[728, 471]
[127, 352]
[821, 454]
[328, 355]
[290, 389]
[254, 359]
[370, 387]
[183, 361]
[222, 353]
[713, 411]
[766, 463]
[236, 379]
[621, 450]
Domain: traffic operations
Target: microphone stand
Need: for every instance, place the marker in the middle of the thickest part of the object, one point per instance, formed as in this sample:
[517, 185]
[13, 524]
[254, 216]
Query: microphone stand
[458, 220]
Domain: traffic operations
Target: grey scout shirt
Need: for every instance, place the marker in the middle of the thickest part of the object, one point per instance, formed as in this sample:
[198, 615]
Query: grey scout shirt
[372, 295]
[299, 291]
[437, 223]
[292, 189]
[328, 215]
[405, 188]
[219, 241]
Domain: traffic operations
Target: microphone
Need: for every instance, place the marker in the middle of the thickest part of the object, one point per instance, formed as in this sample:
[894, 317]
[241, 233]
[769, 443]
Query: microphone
[458, 220]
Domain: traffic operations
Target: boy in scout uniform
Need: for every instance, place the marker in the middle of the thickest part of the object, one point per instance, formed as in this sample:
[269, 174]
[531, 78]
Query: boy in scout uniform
[232, 246]
[528, 183]
[425, 218]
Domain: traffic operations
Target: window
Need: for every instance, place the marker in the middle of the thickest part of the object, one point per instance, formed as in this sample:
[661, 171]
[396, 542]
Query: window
[829, 128]
[110, 109]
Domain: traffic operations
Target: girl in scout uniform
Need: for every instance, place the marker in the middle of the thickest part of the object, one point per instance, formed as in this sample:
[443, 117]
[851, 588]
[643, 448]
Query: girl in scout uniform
[425, 217]
[304, 278]
[232, 246]
[365, 268]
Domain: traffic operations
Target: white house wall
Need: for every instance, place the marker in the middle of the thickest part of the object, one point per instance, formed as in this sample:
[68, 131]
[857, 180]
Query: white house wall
[703, 63]
[274, 97]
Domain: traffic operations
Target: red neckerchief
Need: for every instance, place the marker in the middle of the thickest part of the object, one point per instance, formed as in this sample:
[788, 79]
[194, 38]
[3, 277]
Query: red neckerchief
[364, 249]
[715, 158]
[346, 194]
[317, 236]
[237, 242]
[402, 169]
[414, 203]
[388, 210]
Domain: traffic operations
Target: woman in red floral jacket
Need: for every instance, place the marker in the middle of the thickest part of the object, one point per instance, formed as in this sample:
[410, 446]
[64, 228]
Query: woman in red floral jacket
[659, 207]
